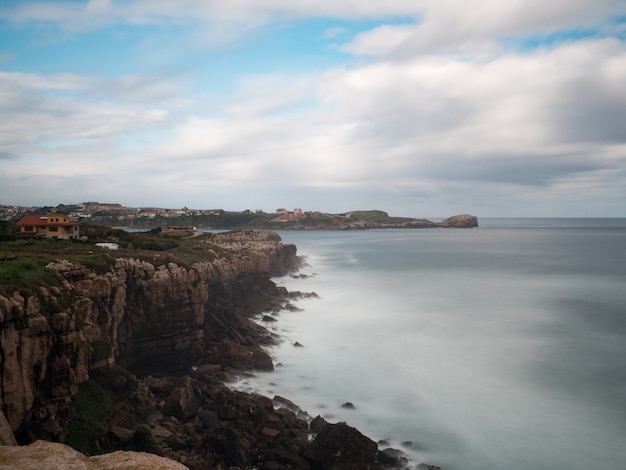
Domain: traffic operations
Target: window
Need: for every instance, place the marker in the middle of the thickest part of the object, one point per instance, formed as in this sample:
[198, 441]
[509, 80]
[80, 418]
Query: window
[53, 229]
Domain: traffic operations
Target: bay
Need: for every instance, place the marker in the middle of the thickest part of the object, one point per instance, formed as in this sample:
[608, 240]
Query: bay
[497, 347]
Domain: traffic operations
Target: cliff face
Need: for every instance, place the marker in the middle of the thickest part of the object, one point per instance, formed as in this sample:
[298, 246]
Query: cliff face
[143, 315]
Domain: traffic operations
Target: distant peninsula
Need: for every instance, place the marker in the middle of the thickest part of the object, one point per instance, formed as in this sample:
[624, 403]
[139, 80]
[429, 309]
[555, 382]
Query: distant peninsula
[146, 218]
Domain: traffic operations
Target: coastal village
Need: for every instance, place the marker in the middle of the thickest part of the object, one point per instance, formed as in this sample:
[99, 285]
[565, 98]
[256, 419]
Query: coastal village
[40, 220]
[89, 210]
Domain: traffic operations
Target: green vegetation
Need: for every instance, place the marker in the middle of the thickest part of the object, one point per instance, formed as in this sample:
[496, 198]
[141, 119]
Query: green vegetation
[86, 430]
[99, 263]
[24, 274]
[143, 440]
[130, 381]
[7, 230]
[101, 351]
[94, 408]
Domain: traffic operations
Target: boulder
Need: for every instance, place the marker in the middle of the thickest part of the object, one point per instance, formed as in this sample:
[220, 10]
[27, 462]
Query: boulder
[339, 446]
[183, 403]
[392, 457]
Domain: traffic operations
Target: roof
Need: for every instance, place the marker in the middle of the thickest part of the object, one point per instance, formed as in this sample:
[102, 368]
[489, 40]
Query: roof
[32, 220]
[39, 220]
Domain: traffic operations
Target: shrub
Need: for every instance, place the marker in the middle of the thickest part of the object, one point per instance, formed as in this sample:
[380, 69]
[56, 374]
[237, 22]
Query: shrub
[101, 351]
[91, 404]
[24, 273]
[100, 263]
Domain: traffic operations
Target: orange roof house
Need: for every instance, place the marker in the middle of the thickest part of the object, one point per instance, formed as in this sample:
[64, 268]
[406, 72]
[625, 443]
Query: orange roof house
[49, 226]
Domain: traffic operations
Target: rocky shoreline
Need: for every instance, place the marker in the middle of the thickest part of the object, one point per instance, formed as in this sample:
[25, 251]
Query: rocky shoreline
[181, 332]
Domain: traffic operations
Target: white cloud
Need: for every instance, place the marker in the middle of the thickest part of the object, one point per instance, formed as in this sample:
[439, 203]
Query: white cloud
[379, 41]
[443, 23]
[441, 111]
[43, 120]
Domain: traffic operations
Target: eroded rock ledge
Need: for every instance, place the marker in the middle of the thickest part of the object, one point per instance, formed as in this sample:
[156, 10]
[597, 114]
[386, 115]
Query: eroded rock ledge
[183, 330]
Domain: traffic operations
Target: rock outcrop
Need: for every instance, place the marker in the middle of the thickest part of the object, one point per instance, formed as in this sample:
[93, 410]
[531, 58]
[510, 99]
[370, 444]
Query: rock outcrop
[49, 455]
[460, 221]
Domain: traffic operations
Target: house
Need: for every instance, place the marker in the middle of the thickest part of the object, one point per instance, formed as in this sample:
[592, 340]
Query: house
[49, 226]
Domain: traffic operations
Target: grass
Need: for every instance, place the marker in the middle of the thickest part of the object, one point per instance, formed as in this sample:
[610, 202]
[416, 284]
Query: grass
[25, 274]
[23, 260]
[91, 404]
[99, 263]
[101, 351]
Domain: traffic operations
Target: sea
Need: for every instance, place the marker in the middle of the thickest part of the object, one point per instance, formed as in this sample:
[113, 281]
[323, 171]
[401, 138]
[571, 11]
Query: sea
[498, 347]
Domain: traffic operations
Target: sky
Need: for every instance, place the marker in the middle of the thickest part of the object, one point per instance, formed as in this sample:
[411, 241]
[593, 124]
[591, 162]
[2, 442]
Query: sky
[421, 108]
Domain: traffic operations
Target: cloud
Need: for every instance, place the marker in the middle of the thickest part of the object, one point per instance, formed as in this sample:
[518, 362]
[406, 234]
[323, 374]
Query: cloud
[56, 115]
[442, 23]
[526, 118]
[448, 107]
[379, 41]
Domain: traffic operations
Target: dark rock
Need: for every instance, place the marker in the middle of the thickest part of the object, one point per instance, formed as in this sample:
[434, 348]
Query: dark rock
[282, 402]
[269, 318]
[392, 457]
[297, 345]
[183, 403]
[348, 405]
[176, 442]
[7, 438]
[339, 446]
[425, 466]
[161, 385]
[121, 433]
[317, 424]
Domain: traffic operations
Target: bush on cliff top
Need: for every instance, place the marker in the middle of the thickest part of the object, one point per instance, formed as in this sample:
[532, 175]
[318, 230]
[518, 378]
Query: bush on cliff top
[99, 263]
[24, 274]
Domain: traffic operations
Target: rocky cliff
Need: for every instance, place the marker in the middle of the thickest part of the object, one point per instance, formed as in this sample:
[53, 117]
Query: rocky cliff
[143, 315]
[183, 328]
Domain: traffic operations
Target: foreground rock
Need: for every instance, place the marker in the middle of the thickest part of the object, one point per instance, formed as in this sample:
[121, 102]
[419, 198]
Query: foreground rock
[48, 455]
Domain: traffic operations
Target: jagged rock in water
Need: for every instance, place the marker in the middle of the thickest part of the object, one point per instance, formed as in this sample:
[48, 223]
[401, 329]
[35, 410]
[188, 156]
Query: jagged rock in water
[339, 446]
[392, 457]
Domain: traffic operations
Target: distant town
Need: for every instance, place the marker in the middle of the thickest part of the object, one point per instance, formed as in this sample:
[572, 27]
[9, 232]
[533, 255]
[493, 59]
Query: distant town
[105, 212]
[116, 215]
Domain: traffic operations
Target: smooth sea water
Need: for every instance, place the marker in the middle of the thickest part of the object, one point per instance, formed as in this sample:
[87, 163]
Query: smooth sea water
[501, 347]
